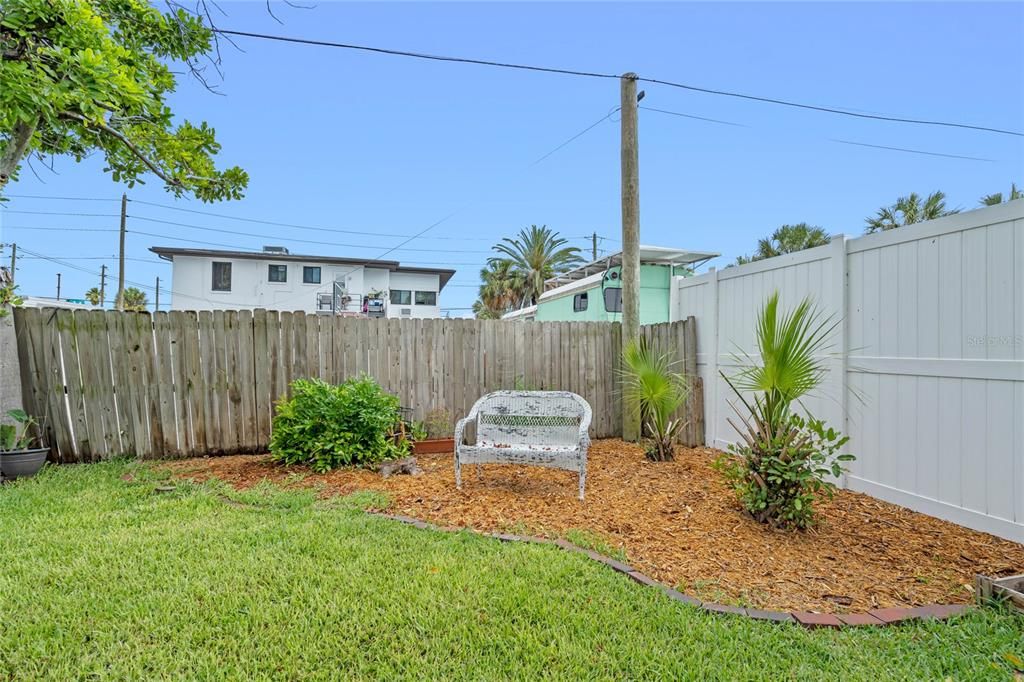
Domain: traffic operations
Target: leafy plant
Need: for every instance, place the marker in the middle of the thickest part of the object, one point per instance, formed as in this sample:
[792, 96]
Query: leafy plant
[439, 424]
[86, 76]
[17, 436]
[780, 467]
[327, 426]
[536, 255]
[909, 210]
[787, 239]
[8, 297]
[651, 387]
[417, 431]
[134, 299]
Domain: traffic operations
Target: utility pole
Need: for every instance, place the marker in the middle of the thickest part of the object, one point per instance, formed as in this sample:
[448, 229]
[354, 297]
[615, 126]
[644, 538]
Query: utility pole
[120, 258]
[58, 287]
[103, 284]
[157, 305]
[630, 237]
[14, 260]
[594, 247]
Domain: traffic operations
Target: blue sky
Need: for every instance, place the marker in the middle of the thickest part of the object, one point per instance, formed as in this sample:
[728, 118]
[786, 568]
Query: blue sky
[383, 144]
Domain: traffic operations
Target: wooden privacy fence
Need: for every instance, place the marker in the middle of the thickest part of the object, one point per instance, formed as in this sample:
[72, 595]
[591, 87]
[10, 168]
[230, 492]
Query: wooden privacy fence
[183, 383]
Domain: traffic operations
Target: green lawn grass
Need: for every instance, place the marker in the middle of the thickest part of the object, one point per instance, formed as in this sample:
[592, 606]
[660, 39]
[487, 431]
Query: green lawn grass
[107, 579]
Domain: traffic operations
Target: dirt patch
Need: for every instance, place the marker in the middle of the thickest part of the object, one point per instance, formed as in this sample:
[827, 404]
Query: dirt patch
[678, 522]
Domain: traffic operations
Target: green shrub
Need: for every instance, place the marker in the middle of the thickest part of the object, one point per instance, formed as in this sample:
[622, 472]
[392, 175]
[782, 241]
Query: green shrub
[327, 426]
[778, 476]
[651, 387]
[780, 467]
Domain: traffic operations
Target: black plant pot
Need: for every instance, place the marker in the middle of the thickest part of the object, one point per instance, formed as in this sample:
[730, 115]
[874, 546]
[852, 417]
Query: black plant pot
[19, 463]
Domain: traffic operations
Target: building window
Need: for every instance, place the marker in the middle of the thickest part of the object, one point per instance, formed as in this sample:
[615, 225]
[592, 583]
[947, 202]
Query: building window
[277, 273]
[613, 300]
[401, 296]
[310, 274]
[221, 276]
[426, 298]
[579, 303]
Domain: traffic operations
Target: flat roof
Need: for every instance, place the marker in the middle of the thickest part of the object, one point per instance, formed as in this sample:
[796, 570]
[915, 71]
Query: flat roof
[169, 252]
[651, 255]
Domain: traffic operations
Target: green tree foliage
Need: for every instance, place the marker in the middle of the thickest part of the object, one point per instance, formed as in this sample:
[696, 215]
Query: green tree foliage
[787, 239]
[93, 296]
[997, 198]
[135, 300]
[656, 391]
[84, 76]
[502, 288]
[780, 467]
[909, 210]
[536, 255]
[326, 426]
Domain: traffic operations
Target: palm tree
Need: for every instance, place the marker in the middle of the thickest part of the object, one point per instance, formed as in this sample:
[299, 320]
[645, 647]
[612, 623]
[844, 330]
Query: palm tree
[651, 387]
[909, 210]
[93, 296]
[502, 288]
[997, 198]
[536, 255]
[787, 239]
[135, 299]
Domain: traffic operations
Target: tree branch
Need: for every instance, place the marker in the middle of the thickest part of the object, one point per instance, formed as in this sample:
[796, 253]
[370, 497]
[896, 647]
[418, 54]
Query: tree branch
[127, 143]
[14, 150]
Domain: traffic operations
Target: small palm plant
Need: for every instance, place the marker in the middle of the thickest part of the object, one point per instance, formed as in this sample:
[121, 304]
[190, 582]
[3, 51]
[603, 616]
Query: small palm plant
[650, 385]
[780, 466]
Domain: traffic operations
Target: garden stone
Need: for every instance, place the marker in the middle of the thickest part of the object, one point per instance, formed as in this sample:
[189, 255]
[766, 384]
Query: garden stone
[400, 466]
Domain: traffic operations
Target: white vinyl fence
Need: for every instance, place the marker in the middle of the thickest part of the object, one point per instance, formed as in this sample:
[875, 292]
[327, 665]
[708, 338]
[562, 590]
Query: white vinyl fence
[926, 368]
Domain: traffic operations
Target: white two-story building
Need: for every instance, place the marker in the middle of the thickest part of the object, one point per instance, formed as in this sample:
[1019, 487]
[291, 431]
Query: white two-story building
[208, 279]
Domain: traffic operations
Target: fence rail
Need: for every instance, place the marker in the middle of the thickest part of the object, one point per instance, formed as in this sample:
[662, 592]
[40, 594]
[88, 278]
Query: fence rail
[184, 383]
[926, 367]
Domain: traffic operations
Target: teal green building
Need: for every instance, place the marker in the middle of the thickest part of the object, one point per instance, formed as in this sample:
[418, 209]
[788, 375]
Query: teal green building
[593, 292]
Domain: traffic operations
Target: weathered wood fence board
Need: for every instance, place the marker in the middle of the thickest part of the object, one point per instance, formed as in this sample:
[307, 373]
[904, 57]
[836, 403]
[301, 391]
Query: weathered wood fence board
[180, 384]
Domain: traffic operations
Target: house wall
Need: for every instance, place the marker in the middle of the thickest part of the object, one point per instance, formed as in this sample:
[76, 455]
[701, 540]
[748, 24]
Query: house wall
[192, 285]
[926, 368]
[414, 281]
[654, 301]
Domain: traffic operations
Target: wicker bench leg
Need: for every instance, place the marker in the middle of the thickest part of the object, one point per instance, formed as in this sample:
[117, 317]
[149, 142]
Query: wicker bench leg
[583, 478]
[458, 471]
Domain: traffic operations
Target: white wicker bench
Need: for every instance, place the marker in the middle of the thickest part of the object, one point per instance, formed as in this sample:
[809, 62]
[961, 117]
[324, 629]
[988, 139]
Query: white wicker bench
[543, 428]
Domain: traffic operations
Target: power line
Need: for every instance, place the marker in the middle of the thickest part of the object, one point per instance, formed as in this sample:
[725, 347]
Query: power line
[577, 135]
[37, 196]
[850, 142]
[293, 225]
[594, 74]
[913, 151]
[61, 229]
[60, 213]
[289, 239]
[699, 118]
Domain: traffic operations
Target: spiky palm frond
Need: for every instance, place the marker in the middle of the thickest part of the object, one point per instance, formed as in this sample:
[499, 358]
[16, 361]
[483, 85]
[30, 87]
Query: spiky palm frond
[93, 296]
[789, 345]
[997, 198]
[652, 388]
[537, 255]
[909, 210]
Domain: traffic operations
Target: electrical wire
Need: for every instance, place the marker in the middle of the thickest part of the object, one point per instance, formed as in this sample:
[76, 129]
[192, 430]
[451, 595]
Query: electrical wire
[287, 239]
[292, 225]
[594, 74]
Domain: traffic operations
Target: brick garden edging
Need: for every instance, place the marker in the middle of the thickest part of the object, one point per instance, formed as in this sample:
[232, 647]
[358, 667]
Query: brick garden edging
[808, 619]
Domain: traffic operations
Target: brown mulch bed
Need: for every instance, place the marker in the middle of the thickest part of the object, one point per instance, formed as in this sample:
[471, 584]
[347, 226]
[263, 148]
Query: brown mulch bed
[677, 522]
